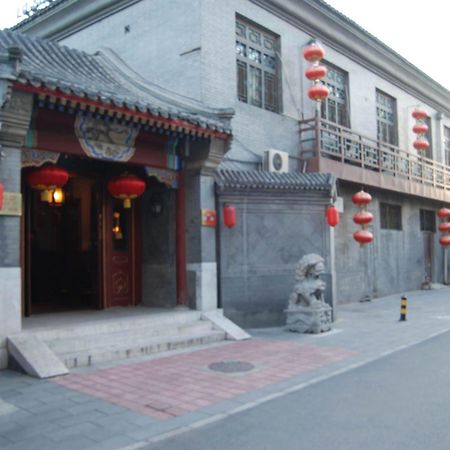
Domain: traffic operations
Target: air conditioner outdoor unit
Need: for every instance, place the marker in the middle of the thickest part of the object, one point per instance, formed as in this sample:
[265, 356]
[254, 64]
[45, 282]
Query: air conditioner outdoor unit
[276, 161]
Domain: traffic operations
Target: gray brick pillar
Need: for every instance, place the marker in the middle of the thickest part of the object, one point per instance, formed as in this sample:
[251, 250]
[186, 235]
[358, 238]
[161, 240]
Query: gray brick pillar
[201, 240]
[15, 115]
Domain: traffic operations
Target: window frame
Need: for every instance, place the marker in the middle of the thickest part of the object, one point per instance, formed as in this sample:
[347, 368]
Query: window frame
[325, 107]
[447, 145]
[269, 83]
[391, 216]
[392, 138]
[426, 220]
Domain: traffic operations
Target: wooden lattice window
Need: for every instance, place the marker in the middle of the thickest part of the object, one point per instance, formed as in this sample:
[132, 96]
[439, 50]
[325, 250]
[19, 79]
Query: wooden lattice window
[428, 153]
[257, 66]
[390, 216]
[335, 108]
[386, 118]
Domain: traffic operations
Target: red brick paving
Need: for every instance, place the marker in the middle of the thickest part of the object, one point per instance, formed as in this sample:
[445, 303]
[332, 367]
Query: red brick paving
[179, 384]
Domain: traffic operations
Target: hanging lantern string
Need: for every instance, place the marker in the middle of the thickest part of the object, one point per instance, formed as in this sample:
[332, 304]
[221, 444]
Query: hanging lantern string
[313, 53]
[420, 128]
[363, 217]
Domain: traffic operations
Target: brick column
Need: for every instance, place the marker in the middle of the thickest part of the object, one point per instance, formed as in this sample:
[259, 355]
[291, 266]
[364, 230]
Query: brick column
[201, 241]
[15, 117]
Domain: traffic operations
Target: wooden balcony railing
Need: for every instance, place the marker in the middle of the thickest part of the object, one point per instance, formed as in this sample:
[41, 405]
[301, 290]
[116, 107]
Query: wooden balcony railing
[321, 140]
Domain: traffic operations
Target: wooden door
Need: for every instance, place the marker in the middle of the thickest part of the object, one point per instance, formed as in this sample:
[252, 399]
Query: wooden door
[121, 259]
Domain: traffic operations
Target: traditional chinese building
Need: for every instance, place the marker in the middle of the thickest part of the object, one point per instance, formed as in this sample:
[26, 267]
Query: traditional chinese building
[98, 168]
[286, 153]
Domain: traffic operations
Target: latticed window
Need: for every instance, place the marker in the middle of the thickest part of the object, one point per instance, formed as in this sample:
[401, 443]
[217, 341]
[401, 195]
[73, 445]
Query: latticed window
[386, 118]
[428, 153]
[335, 108]
[390, 216]
[257, 68]
[447, 145]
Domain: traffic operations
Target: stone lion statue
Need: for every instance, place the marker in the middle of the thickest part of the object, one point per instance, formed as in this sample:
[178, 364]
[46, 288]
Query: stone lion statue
[309, 288]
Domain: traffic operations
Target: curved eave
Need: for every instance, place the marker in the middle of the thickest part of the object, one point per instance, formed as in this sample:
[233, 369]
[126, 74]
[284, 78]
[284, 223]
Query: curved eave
[108, 106]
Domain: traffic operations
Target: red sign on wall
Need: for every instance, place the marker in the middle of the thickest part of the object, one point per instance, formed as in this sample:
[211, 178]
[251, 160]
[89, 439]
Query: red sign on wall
[209, 218]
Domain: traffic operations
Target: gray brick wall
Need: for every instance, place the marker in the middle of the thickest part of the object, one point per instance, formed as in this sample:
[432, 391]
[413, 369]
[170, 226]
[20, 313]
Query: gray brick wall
[10, 225]
[394, 262]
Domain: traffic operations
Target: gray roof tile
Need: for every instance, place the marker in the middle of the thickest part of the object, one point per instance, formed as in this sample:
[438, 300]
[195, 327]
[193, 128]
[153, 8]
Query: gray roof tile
[263, 180]
[104, 77]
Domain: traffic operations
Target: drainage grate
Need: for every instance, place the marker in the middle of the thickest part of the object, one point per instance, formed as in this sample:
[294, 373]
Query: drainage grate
[231, 366]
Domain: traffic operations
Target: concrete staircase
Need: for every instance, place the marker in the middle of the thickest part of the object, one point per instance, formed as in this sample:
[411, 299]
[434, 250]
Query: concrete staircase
[96, 341]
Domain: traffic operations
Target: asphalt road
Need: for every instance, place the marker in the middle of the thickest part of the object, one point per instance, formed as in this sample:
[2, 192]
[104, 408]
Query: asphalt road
[398, 402]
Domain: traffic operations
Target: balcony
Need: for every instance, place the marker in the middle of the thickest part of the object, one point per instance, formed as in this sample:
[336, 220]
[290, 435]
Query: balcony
[327, 147]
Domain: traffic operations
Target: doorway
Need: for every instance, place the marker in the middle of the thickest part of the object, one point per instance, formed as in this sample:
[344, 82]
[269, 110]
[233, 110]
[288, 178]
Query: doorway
[81, 252]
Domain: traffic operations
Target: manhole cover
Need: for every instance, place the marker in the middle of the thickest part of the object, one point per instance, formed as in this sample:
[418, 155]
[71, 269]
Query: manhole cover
[231, 366]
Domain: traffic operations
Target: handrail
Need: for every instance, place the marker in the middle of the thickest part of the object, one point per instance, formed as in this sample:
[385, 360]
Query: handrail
[342, 144]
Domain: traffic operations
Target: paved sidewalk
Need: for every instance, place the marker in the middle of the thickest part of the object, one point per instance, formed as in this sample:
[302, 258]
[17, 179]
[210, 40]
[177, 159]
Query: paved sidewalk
[132, 403]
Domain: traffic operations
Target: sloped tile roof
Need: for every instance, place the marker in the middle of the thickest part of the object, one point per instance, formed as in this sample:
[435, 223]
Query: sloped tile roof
[105, 78]
[263, 180]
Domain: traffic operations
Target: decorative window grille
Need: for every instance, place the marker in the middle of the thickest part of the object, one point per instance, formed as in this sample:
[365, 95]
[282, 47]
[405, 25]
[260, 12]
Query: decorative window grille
[335, 107]
[257, 66]
[427, 220]
[447, 145]
[386, 118]
[390, 216]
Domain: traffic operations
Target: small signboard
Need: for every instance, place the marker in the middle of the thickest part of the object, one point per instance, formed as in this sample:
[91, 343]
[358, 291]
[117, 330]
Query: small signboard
[12, 204]
[209, 218]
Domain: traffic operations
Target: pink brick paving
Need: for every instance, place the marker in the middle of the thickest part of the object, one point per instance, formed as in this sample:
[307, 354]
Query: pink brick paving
[179, 384]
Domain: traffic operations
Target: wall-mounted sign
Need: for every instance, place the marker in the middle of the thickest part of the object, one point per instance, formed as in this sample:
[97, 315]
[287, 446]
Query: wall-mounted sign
[209, 218]
[12, 204]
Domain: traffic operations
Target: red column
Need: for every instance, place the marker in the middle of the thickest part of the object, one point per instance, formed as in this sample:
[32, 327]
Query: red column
[181, 242]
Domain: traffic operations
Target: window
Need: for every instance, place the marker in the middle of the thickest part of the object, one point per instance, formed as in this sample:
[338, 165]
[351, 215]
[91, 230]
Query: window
[447, 145]
[390, 216]
[335, 107]
[427, 220]
[428, 153]
[257, 68]
[386, 118]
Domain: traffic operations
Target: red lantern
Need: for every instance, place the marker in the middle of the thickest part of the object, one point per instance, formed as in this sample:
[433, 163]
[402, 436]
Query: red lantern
[229, 216]
[363, 217]
[1, 195]
[444, 227]
[419, 114]
[361, 198]
[363, 236]
[313, 52]
[315, 72]
[48, 177]
[332, 216]
[420, 128]
[421, 144]
[318, 92]
[126, 188]
[445, 240]
[443, 213]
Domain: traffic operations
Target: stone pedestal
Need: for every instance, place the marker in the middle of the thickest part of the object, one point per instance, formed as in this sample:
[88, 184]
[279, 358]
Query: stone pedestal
[307, 319]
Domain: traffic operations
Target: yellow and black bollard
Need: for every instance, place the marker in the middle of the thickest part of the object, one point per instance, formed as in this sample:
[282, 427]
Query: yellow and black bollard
[403, 308]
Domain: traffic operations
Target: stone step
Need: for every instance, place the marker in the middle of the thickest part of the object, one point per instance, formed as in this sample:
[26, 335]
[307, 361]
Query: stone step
[127, 337]
[106, 325]
[138, 348]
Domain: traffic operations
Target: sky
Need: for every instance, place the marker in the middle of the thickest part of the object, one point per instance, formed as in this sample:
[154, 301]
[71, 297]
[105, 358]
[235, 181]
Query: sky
[416, 29]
